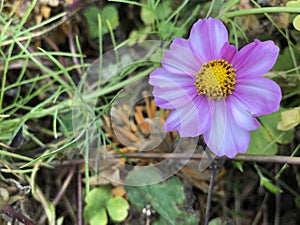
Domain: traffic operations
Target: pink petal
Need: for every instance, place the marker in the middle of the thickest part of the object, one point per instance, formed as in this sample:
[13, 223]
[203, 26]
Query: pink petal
[207, 38]
[241, 114]
[225, 137]
[256, 58]
[181, 59]
[260, 96]
[192, 119]
[229, 52]
[172, 90]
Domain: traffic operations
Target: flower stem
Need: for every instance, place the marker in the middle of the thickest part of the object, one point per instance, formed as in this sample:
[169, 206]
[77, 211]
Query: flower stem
[213, 172]
[262, 10]
[214, 168]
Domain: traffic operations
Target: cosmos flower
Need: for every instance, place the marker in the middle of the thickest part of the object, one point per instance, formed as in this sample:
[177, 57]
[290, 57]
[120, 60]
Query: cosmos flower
[215, 90]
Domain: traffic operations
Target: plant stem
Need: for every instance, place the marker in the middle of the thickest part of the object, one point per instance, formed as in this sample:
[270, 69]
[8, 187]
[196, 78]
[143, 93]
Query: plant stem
[262, 10]
[213, 171]
[179, 156]
[11, 212]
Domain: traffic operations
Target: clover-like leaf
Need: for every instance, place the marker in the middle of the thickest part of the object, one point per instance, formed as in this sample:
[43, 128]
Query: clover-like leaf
[109, 15]
[95, 210]
[296, 22]
[293, 4]
[117, 208]
[99, 218]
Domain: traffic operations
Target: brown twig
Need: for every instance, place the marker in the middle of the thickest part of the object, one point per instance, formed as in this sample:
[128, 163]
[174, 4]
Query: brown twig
[198, 156]
[17, 215]
[60, 193]
[73, 49]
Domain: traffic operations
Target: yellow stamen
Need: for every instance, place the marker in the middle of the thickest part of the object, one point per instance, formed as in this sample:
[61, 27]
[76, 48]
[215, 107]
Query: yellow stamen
[215, 79]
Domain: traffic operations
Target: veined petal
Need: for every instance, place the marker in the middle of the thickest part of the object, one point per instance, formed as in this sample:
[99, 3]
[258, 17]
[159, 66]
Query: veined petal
[241, 114]
[256, 58]
[207, 38]
[192, 119]
[229, 52]
[260, 96]
[172, 90]
[180, 59]
[225, 137]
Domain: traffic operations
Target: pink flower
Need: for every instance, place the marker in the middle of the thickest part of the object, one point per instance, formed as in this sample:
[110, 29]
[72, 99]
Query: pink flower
[215, 90]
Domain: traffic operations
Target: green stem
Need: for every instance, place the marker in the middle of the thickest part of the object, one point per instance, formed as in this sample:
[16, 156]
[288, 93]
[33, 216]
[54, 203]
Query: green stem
[262, 10]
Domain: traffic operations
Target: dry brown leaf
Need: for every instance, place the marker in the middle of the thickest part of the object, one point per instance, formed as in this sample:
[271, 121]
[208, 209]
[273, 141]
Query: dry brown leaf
[118, 191]
[45, 11]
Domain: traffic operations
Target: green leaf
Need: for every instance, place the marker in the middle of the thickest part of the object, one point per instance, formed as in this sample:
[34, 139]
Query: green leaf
[91, 16]
[238, 165]
[289, 119]
[60, 221]
[95, 210]
[161, 12]
[295, 4]
[66, 123]
[217, 221]
[297, 202]
[109, 14]
[268, 185]
[166, 197]
[50, 212]
[261, 143]
[296, 22]
[100, 218]
[117, 208]
[264, 140]
[147, 15]
[98, 196]
[8, 128]
[285, 61]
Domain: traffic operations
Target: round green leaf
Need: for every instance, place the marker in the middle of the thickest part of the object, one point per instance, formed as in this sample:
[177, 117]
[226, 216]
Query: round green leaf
[98, 196]
[100, 218]
[296, 22]
[293, 4]
[91, 16]
[117, 208]
[95, 209]
[147, 15]
[110, 15]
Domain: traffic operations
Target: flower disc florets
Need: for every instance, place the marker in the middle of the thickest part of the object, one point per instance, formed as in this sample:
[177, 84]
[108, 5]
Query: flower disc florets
[215, 79]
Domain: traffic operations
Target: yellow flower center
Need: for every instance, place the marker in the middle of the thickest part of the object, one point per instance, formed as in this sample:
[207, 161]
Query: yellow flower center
[215, 79]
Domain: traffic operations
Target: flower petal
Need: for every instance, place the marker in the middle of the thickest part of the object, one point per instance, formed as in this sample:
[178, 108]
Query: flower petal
[241, 114]
[192, 119]
[260, 96]
[172, 90]
[256, 58]
[225, 137]
[207, 38]
[229, 52]
[180, 59]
